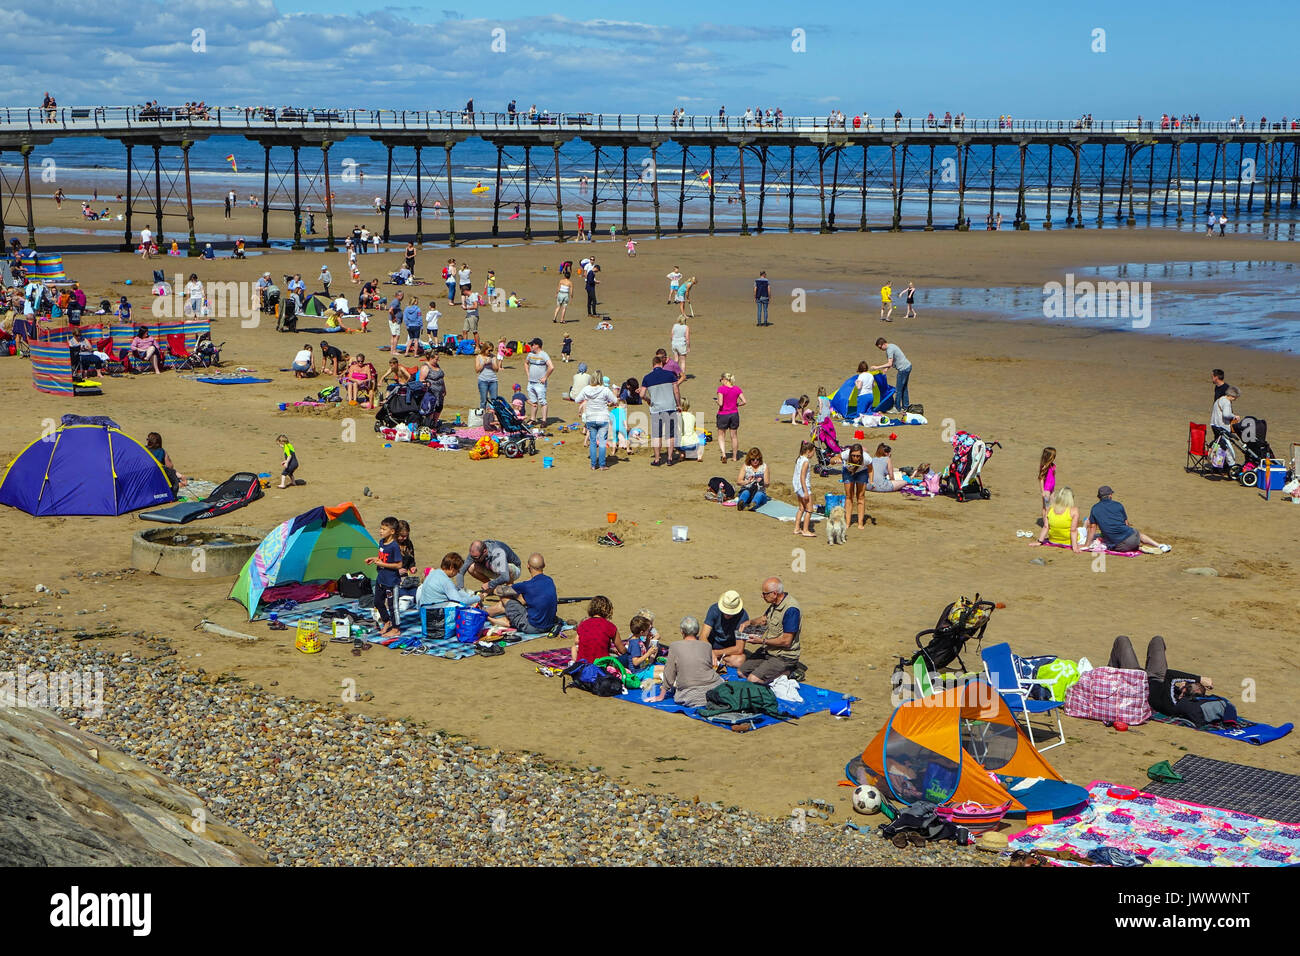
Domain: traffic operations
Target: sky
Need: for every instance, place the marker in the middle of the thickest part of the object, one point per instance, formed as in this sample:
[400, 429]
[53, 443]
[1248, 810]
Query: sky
[1030, 60]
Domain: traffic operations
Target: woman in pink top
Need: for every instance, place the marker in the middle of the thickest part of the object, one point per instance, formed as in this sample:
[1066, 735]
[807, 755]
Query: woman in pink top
[729, 399]
[144, 347]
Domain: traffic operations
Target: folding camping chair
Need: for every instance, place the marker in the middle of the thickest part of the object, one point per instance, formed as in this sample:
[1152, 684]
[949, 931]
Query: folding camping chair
[1198, 454]
[1000, 669]
[179, 358]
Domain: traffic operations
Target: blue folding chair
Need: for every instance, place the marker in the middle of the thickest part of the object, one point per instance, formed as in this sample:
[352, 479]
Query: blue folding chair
[1000, 667]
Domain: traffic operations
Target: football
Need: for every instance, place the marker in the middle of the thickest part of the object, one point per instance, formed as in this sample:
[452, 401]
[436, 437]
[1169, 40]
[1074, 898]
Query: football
[867, 800]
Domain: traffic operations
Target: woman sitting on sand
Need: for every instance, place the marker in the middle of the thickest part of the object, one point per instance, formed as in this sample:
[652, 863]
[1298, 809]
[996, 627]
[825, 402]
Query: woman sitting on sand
[153, 442]
[752, 480]
[145, 348]
[1061, 523]
[882, 470]
[359, 379]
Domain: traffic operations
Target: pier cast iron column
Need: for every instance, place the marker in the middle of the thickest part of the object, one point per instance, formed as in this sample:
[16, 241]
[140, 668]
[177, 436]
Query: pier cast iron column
[157, 194]
[297, 206]
[1132, 182]
[1241, 164]
[1295, 173]
[559, 199]
[1047, 223]
[762, 185]
[1123, 181]
[654, 184]
[898, 194]
[388, 187]
[496, 194]
[451, 200]
[595, 181]
[329, 198]
[419, 196]
[835, 188]
[26, 150]
[713, 183]
[1021, 219]
[1151, 172]
[993, 179]
[929, 197]
[1101, 189]
[1268, 181]
[126, 239]
[1214, 171]
[962, 160]
[2, 219]
[625, 190]
[1223, 193]
[862, 186]
[1169, 178]
[681, 193]
[1196, 184]
[1178, 166]
[744, 215]
[528, 192]
[790, 198]
[821, 186]
[1076, 192]
[1250, 193]
[189, 199]
[266, 194]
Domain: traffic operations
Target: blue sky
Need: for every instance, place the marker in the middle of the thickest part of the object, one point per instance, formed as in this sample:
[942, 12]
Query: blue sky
[1033, 60]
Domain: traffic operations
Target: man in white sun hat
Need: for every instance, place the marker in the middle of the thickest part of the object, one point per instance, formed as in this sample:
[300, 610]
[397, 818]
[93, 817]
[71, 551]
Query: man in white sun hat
[722, 625]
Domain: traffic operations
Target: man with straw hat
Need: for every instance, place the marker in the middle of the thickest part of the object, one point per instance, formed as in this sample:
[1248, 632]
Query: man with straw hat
[722, 625]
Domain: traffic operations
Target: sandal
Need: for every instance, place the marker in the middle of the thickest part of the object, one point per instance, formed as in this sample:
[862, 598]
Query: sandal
[900, 840]
[278, 626]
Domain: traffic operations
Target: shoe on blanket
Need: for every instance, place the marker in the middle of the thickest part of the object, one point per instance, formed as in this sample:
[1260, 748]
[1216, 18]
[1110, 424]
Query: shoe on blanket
[489, 649]
[610, 540]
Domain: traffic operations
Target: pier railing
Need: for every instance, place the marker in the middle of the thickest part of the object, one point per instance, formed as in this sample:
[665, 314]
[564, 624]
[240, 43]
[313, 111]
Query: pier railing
[111, 120]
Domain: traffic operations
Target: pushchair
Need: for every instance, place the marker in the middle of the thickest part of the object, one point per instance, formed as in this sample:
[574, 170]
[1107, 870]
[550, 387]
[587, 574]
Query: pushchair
[406, 405]
[518, 440]
[1250, 438]
[961, 621]
[827, 445]
[961, 478]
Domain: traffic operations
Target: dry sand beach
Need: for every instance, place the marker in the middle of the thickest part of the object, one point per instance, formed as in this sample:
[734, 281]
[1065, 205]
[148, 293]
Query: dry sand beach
[1115, 404]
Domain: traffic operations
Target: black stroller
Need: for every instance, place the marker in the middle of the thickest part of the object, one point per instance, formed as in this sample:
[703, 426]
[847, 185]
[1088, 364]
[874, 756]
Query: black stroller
[518, 440]
[411, 405]
[961, 621]
[1250, 437]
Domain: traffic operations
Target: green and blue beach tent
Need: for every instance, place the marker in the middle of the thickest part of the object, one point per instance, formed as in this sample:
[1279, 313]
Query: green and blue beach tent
[318, 545]
[850, 404]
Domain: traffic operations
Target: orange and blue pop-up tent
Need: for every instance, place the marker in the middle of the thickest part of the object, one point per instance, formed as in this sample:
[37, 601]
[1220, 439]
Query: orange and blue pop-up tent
[963, 744]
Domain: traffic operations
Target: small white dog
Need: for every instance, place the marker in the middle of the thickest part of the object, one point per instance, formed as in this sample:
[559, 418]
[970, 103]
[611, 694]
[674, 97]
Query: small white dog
[837, 527]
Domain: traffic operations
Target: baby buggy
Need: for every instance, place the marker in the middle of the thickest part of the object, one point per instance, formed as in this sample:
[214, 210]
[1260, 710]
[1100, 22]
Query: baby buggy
[518, 440]
[1250, 438]
[961, 621]
[405, 405]
[961, 478]
[827, 446]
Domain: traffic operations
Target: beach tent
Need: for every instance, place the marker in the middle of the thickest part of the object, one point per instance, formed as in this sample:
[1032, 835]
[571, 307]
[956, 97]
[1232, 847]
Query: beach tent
[849, 404]
[316, 304]
[963, 744]
[87, 466]
[318, 545]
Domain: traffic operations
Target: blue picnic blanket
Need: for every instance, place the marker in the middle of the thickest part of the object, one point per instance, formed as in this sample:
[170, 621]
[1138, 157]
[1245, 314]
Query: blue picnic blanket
[1240, 729]
[815, 699]
[243, 380]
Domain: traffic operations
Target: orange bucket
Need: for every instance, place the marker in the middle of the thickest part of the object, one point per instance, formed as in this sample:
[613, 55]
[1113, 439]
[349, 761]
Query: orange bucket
[611, 516]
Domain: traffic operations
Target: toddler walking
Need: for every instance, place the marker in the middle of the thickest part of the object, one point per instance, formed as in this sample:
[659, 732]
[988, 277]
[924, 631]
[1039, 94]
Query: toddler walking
[803, 489]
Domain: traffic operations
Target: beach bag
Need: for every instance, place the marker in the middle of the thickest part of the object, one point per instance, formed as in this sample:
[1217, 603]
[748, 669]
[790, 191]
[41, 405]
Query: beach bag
[354, 584]
[1215, 709]
[1109, 694]
[594, 680]
[629, 679]
[330, 394]
[1058, 677]
[465, 347]
[485, 447]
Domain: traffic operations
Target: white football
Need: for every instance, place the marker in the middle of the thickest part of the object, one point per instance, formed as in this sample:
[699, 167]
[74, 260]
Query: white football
[867, 800]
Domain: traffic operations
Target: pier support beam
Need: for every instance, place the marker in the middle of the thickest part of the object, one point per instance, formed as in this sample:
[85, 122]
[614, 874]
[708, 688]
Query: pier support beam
[1268, 180]
[963, 159]
[1074, 187]
[388, 188]
[835, 188]
[1132, 177]
[862, 189]
[898, 194]
[762, 185]
[1076, 194]
[1151, 172]
[1101, 190]
[26, 150]
[297, 204]
[681, 192]
[157, 193]
[451, 200]
[1196, 184]
[1295, 174]
[559, 199]
[929, 193]
[266, 195]
[126, 238]
[624, 230]
[993, 181]
[329, 197]
[528, 192]
[595, 183]
[193, 250]
[1169, 177]
[821, 188]
[496, 195]
[790, 197]
[1178, 171]
[744, 214]
[654, 184]
[713, 184]
[1250, 193]
[1022, 220]
[1223, 193]
[1214, 171]
[419, 198]
[1123, 180]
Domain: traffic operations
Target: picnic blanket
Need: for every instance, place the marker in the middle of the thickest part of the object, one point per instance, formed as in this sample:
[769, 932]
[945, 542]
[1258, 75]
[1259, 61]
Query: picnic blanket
[1233, 786]
[782, 511]
[241, 380]
[1166, 832]
[815, 699]
[1239, 729]
[555, 657]
[1118, 554]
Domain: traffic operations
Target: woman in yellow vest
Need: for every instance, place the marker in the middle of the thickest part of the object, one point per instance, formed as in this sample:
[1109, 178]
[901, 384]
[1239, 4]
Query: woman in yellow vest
[1061, 523]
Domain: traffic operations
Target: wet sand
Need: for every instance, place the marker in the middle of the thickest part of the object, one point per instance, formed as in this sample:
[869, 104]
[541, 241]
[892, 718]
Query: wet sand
[1115, 404]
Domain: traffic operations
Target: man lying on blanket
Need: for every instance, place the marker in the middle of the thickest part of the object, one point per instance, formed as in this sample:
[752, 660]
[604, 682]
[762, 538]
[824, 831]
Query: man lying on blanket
[1173, 693]
[528, 606]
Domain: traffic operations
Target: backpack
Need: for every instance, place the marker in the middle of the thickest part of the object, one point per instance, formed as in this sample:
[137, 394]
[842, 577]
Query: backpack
[1109, 694]
[594, 680]
[354, 584]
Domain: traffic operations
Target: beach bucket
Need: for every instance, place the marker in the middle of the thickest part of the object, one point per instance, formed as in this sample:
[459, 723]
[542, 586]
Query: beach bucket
[284, 406]
[469, 622]
[548, 462]
[832, 501]
[679, 532]
[307, 638]
[859, 434]
[342, 627]
[611, 516]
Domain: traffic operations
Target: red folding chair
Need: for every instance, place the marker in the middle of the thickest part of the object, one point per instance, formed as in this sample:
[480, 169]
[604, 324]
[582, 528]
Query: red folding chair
[1198, 454]
[179, 357]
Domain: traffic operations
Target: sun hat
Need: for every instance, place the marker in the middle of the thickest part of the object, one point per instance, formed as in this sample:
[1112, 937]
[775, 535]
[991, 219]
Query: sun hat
[992, 841]
[730, 602]
[1105, 491]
